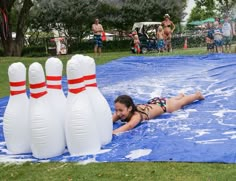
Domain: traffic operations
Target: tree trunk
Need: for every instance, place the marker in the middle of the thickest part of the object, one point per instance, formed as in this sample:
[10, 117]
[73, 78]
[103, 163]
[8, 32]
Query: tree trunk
[14, 46]
[7, 47]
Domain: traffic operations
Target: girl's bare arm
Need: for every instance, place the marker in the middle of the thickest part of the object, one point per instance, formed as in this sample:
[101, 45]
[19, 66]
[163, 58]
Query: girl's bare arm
[115, 117]
[135, 120]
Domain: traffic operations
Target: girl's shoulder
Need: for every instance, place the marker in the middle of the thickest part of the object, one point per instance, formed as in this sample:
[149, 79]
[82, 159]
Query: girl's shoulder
[137, 116]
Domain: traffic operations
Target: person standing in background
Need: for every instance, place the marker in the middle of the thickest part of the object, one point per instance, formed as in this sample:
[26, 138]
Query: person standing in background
[218, 37]
[227, 34]
[210, 38]
[136, 44]
[160, 39]
[97, 33]
[169, 28]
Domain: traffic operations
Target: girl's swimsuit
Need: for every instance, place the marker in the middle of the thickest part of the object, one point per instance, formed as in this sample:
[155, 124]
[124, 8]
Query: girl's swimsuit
[146, 110]
[159, 101]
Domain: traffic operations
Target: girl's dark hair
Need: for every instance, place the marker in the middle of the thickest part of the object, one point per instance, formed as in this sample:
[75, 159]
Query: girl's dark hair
[127, 101]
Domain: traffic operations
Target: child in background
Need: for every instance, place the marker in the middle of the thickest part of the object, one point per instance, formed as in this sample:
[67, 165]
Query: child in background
[218, 37]
[210, 38]
[160, 39]
[136, 44]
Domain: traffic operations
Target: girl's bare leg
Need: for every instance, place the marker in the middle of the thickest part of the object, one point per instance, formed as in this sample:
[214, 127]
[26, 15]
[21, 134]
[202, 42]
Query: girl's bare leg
[191, 98]
[179, 96]
[174, 104]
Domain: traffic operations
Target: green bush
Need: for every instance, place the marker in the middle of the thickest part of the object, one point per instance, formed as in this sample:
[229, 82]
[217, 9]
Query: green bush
[108, 46]
[34, 51]
[75, 46]
[1, 52]
[194, 41]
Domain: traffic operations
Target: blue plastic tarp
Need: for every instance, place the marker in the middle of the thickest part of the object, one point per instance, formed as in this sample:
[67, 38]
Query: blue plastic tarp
[204, 131]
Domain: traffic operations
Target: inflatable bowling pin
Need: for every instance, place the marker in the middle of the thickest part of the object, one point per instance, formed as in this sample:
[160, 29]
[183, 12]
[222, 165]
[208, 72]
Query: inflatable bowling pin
[53, 68]
[47, 134]
[101, 107]
[16, 120]
[80, 128]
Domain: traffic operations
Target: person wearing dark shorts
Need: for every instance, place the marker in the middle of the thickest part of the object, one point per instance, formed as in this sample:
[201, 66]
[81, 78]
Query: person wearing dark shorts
[98, 41]
[210, 38]
[97, 32]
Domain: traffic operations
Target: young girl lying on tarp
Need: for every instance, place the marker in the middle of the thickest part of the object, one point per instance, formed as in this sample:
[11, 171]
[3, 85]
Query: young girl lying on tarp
[127, 111]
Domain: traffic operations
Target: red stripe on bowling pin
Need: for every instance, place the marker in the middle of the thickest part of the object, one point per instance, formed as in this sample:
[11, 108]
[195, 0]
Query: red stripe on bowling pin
[53, 78]
[92, 79]
[76, 86]
[54, 86]
[38, 86]
[17, 88]
[38, 95]
[15, 84]
[91, 85]
[54, 82]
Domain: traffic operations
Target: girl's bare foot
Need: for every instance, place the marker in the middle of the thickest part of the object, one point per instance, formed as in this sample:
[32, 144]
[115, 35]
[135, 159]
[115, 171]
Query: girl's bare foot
[199, 95]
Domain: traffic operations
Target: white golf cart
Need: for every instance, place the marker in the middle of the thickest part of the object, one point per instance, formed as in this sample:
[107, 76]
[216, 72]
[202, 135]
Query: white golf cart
[147, 35]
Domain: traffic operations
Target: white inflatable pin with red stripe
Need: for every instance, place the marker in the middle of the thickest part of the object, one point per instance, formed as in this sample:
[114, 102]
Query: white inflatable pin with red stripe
[80, 126]
[47, 133]
[100, 105]
[16, 126]
[53, 69]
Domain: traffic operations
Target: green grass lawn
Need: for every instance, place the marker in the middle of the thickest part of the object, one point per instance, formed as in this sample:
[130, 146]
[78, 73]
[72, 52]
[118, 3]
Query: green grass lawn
[109, 171]
[104, 58]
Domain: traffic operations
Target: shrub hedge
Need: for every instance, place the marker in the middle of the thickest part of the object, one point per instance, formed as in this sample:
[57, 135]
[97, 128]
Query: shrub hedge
[34, 51]
[108, 46]
[1, 52]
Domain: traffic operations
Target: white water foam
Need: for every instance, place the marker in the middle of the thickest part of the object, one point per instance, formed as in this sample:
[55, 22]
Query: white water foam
[104, 151]
[201, 132]
[232, 134]
[14, 159]
[137, 87]
[221, 112]
[84, 162]
[138, 153]
[213, 141]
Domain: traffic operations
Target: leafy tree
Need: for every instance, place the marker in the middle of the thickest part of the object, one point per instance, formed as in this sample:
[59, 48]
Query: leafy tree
[118, 14]
[152, 10]
[226, 6]
[121, 14]
[110, 13]
[72, 17]
[204, 9]
[211, 8]
[14, 17]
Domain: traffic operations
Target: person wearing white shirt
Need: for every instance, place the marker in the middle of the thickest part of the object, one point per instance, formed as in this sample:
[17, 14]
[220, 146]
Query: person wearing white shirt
[227, 34]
